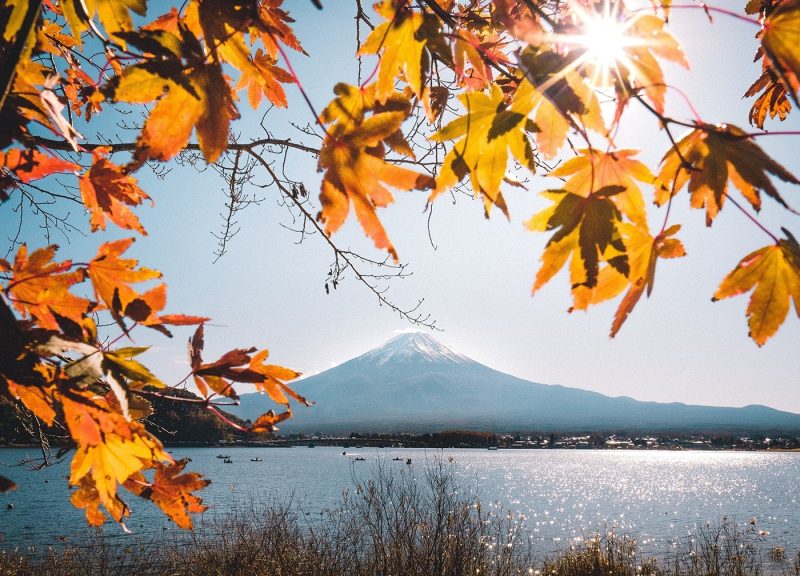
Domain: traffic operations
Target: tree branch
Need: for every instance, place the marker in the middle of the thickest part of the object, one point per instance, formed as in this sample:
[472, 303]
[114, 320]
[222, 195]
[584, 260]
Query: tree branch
[131, 146]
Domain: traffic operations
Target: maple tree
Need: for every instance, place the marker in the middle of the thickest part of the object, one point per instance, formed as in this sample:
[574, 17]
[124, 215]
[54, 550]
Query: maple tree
[488, 89]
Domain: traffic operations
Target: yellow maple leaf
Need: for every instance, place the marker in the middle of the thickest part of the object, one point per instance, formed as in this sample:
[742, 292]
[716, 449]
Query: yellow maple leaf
[110, 449]
[643, 252]
[593, 169]
[773, 274]
[399, 47]
[647, 40]
[113, 14]
[486, 133]
[585, 229]
[780, 39]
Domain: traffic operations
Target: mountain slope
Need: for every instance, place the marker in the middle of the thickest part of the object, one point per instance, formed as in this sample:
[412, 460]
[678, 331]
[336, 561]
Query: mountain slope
[414, 383]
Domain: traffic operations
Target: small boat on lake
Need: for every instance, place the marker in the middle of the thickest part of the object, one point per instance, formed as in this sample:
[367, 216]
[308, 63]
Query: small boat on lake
[227, 461]
[359, 459]
[222, 456]
[397, 458]
[256, 459]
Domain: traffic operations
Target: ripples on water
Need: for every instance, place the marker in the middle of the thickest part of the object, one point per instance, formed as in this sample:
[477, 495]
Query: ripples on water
[658, 497]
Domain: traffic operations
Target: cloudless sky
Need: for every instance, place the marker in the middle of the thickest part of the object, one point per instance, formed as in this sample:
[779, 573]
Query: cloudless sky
[475, 275]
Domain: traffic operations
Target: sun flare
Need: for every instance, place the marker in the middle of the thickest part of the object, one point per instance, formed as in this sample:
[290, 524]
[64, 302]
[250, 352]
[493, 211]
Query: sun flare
[603, 36]
[605, 41]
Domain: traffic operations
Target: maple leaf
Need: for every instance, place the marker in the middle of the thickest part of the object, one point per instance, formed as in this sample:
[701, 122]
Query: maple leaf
[37, 399]
[773, 99]
[110, 449]
[561, 99]
[171, 490]
[273, 26]
[111, 277]
[773, 274]
[15, 19]
[586, 228]
[487, 132]
[222, 24]
[716, 155]
[169, 22]
[107, 191]
[266, 82]
[28, 165]
[780, 39]
[267, 421]
[190, 92]
[643, 252]
[352, 158]
[273, 379]
[113, 14]
[39, 287]
[87, 497]
[121, 365]
[594, 169]
[399, 45]
[467, 48]
[213, 375]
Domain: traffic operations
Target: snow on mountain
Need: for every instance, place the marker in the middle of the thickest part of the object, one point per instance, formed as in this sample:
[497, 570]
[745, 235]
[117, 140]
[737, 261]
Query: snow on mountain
[412, 347]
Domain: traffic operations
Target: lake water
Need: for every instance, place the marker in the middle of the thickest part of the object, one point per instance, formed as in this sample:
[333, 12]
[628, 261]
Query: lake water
[658, 497]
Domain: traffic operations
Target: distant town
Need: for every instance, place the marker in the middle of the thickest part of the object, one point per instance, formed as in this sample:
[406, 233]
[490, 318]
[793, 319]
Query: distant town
[488, 440]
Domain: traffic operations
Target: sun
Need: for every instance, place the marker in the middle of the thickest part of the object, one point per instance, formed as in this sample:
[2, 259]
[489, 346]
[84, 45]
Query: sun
[603, 37]
[605, 41]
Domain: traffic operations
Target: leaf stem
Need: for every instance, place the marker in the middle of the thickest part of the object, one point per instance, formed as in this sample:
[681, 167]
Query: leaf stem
[753, 219]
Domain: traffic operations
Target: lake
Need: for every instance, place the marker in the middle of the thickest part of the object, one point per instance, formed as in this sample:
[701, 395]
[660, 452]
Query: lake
[658, 497]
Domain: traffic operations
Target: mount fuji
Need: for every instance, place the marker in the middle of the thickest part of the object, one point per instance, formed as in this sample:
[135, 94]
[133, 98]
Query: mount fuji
[413, 383]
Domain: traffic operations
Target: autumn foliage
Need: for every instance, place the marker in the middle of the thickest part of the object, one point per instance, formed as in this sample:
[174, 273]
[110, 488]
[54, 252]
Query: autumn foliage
[491, 89]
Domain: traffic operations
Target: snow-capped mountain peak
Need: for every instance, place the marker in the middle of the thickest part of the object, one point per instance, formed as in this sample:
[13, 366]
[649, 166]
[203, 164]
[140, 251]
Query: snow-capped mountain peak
[413, 346]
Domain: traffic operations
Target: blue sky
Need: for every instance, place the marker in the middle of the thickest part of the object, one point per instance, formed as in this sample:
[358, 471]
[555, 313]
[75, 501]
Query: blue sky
[269, 290]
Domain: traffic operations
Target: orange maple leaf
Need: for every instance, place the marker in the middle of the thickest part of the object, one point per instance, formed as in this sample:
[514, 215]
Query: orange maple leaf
[191, 93]
[171, 490]
[37, 399]
[111, 277]
[267, 421]
[273, 377]
[353, 163]
[39, 287]
[29, 165]
[264, 81]
[717, 154]
[107, 191]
